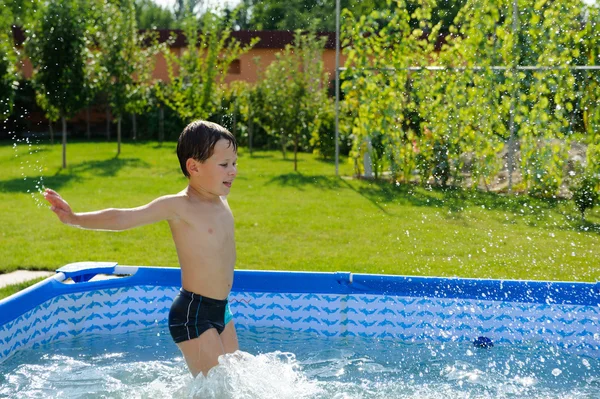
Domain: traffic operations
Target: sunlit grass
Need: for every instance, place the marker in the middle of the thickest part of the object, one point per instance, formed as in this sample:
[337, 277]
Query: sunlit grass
[286, 220]
[14, 288]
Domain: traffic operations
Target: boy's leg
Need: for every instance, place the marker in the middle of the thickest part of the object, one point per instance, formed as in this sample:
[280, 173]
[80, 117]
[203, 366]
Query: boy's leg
[229, 338]
[202, 353]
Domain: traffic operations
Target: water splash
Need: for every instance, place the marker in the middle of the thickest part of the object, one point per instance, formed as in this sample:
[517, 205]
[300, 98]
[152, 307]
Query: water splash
[30, 165]
[146, 364]
[276, 375]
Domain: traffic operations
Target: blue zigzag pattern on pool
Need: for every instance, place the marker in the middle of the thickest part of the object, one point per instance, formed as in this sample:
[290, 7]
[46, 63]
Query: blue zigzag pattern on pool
[410, 319]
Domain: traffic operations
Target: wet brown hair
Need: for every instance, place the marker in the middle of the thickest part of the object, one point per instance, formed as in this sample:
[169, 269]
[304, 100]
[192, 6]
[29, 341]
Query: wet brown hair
[198, 141]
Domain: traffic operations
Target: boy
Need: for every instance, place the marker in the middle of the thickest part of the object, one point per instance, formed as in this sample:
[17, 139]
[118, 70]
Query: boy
[202, 228]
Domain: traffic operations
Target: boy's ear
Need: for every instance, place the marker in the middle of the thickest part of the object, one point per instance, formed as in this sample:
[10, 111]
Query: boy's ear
[192, 166]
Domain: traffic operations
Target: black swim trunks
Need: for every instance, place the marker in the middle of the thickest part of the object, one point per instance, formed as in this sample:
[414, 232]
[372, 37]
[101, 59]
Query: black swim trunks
[192, 314]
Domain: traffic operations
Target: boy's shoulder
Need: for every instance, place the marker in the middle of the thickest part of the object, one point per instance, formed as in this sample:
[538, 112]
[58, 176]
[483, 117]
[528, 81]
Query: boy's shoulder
[170, 202]
[173, 198]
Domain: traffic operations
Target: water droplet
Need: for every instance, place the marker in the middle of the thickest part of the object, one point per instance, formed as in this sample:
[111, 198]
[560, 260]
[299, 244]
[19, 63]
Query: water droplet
[556, 372]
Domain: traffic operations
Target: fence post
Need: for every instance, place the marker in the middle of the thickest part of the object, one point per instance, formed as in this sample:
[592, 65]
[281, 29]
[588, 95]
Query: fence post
[512, 138]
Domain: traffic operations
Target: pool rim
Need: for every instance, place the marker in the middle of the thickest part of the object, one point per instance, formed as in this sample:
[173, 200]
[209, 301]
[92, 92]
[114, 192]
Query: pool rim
[339, 283]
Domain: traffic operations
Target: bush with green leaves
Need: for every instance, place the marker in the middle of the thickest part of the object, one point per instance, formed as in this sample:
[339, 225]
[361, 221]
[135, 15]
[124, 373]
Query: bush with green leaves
[197, 77]
[476, 115]
[590, 88]
[322, 139]
[585, 192]
[248, 101]
[378, 101]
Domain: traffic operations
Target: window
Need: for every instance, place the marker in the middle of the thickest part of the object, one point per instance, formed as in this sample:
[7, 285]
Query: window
[235, 68]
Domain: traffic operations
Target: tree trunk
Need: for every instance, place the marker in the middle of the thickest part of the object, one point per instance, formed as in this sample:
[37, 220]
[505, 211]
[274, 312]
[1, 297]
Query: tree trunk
[107, 123]
[296, 152]
[87, 121]
[51, 131]
[119, 134]
[64, 142]
[134, 123]
[161, 123]
[250, 129]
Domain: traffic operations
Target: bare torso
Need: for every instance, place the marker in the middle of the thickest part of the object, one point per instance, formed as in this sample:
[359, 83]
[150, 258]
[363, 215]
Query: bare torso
[204, 238]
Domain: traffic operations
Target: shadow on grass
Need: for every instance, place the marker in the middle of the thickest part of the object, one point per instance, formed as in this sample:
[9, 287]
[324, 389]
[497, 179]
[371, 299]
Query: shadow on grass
[574, 223]
[300, 181]
[21, 185]
[533, 212]
[258, 156]
[33, 151]
[455, 200]
[163, 145]
[587, 226]
[451, 198]
[105, 168]
[343, 161]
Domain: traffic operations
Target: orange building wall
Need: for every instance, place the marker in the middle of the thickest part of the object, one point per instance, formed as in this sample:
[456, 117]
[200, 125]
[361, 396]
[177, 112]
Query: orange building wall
[26, 68]
[248, 68]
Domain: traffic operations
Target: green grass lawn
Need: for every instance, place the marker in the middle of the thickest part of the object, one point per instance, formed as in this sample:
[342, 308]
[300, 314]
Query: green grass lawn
[13, 289]
[310, 220]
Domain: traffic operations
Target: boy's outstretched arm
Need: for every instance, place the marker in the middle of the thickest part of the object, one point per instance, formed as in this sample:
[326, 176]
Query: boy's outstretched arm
[163, 208]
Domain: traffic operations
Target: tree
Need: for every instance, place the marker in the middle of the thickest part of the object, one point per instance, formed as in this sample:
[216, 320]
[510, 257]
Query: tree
[320, 15]
[185, 8]
[126, 66]
[585, 194]
[150, 15]
[57, 46]
[590, 100]
[22, 11]
[467, 111]
[8, 61]
[294, 87]
[196, 78]
[378, 97]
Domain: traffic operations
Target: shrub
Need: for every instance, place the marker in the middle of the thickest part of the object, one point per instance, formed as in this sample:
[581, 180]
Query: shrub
[585, 193]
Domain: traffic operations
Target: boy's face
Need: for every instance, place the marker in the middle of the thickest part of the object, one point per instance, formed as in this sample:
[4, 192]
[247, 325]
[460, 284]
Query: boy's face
[217, 173]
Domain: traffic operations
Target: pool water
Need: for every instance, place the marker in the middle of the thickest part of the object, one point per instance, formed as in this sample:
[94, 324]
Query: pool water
[281, 364]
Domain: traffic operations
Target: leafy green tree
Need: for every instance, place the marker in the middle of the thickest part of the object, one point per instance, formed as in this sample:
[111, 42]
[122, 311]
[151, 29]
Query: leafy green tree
[126, 64]
[8, 61]
[295, 93]
[196, 78]
[320, 15]
[585, 193]
[57, 46]
[546, 96]
[150, 15]
[466, 114]
[590, 99]
[252, 109]
[22, 11]
[185, 8]
[462, 117]
[380, 48]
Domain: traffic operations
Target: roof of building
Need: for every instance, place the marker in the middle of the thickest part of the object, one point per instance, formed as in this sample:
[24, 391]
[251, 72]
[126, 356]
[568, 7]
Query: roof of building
[268, 39]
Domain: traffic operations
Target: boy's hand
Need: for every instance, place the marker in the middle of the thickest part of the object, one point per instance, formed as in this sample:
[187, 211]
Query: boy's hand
[59, 206]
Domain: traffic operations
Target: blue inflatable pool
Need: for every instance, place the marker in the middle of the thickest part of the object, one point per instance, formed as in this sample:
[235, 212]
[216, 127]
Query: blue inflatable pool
[74, 302]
